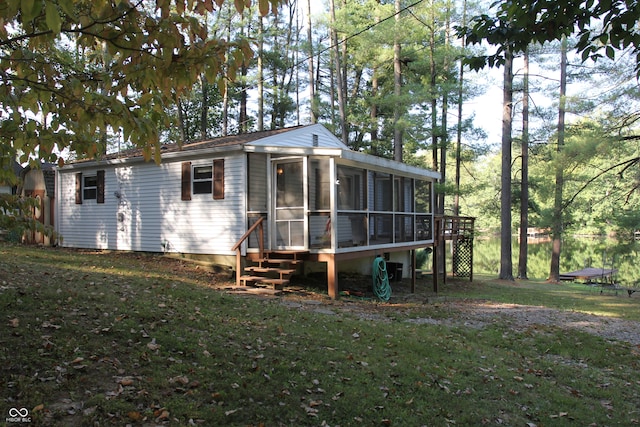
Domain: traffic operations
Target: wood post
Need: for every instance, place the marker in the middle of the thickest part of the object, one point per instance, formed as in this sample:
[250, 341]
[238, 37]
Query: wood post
[332, 276]
[413, 271]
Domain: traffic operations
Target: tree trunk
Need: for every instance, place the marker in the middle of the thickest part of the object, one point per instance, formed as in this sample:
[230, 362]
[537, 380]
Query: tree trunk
[524, 183]
[312, 95]
[506, 264]
[204, 116]
[456, 201]
[339, 76]
[243, 118]
[434, 105]
[557, 226]
[225, 89]
[444, 135]
[373, 114]
[397, 90]
[181, 125]
[260, 74]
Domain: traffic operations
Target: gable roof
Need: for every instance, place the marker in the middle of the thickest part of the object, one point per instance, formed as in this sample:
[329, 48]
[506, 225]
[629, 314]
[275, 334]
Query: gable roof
[285, 137]
[49, 174]
[299, 140]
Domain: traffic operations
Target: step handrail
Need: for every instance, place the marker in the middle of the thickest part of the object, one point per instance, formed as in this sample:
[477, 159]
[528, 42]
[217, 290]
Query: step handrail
[257, 225]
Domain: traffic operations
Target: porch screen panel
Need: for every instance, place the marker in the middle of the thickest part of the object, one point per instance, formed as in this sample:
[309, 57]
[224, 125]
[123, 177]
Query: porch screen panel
[257, 172]
[352, 229]
[257, 197]
[290, 204]
[383, 192]
[404, 228]
[381, 223]
[319, 185]
[424, 208]
[403, 194]
[423, 197]
[351, 188]
[424, 227]
[380, 228]
[319, 203]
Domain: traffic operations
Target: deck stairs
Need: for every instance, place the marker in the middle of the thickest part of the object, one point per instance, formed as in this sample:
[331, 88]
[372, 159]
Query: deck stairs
[275, 269]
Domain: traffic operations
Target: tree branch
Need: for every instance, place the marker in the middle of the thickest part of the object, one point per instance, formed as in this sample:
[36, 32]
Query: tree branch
[625, 165]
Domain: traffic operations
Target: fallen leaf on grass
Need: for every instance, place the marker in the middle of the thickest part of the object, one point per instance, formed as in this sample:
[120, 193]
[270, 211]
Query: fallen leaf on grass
[47, 324]
[180, 379]
[125, 381]
[163, 415]
[607, 404]
[14, 323]
[312, 412]
[135, 416]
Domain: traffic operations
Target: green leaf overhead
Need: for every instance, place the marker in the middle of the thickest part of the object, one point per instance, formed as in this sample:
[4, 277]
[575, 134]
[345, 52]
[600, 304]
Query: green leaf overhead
[602, 24]
[73, 71]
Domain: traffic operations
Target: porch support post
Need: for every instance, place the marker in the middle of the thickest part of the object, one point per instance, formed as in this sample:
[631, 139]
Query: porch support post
[413, 271]
[332, 276]
[238, 267]
[434, 267]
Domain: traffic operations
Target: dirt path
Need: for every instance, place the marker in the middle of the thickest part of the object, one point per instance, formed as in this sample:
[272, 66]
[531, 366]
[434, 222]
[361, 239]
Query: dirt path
[481, 314]
[454, 312]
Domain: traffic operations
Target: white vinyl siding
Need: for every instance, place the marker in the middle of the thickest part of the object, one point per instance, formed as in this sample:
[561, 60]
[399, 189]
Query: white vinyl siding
[303, 137]
[143, 211]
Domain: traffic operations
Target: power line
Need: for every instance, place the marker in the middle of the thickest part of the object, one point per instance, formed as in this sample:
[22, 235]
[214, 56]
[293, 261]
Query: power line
[356, 34]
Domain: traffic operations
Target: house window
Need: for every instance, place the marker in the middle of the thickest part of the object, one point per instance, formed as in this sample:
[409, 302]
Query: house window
[90, 187]
[202, 179]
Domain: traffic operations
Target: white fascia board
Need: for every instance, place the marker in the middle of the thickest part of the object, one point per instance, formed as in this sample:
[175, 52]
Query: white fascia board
[294, 151]
[390, 166]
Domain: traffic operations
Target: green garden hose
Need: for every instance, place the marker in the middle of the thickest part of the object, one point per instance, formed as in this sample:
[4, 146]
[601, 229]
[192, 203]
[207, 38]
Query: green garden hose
[381, 287]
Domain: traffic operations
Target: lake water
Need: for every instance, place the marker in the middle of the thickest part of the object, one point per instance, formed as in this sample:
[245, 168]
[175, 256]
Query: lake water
[576, 253]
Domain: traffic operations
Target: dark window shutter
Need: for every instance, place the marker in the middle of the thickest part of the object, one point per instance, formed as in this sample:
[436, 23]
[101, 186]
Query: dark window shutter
[186, 180]
[100, 197]
[218, 179]
[79, 188]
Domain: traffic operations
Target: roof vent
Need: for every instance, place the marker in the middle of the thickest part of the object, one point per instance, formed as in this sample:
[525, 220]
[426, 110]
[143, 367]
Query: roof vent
[315, 140]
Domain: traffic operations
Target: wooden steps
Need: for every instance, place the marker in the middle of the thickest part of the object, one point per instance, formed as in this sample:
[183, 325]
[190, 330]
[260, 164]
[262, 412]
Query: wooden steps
[275, 269]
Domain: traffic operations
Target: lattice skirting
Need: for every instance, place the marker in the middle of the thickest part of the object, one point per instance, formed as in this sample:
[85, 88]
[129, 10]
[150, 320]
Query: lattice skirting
[463, 257]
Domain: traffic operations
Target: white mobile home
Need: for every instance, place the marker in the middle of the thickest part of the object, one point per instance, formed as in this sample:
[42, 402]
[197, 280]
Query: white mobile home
[309, 192]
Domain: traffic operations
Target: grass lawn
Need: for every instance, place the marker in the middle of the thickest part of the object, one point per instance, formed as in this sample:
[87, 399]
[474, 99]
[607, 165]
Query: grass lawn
[96, 339]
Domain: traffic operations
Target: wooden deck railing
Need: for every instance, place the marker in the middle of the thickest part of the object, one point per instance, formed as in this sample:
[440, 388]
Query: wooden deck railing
[260, 227]
[453, 227]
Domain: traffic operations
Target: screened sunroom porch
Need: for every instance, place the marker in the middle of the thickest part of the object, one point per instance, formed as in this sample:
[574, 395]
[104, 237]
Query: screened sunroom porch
[335, 204]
